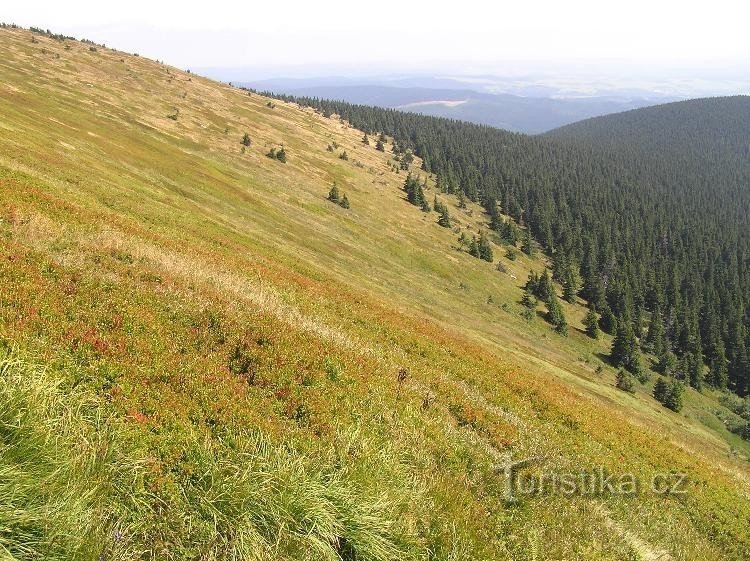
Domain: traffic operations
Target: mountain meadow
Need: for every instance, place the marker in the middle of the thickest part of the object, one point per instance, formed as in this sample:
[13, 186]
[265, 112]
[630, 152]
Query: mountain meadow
[239, 327]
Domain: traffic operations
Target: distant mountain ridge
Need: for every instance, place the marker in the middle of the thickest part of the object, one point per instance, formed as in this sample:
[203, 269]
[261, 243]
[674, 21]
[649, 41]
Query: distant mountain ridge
[531, 115]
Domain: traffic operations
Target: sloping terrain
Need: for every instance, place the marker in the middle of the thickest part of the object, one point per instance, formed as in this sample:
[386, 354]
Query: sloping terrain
[705, 140]
[695, 126]
[206, 359]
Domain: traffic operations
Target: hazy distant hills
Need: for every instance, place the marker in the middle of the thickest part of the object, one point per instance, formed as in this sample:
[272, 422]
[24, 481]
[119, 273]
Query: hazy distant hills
[531, 114]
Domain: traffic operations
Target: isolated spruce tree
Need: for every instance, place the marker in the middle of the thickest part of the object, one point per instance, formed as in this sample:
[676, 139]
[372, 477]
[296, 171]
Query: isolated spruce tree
[380, 146]
[485, 249]
[545, 291]
[528, 300]
[674, 397]
[474, 248]
[365, 140]
[661, 388]
[625, 351]
[461, 199]
[445, 218]
[532, 284]
[625, 382]
[414, 191]
[591, 322]
[334, 195]
[344, 202]
[410, 189]
[246, 140]
[529, 305]
[555, 314]
[419, 198]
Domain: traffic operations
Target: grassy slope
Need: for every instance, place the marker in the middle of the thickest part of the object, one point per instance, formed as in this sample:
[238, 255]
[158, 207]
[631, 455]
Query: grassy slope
[139, 252]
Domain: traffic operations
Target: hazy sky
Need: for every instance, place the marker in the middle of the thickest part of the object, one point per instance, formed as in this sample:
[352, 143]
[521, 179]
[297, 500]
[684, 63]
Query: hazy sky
[464, 35]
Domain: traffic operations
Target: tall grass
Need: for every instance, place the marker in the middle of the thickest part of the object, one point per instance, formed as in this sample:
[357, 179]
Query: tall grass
[55, 455]
[261, 502]
[71, 487]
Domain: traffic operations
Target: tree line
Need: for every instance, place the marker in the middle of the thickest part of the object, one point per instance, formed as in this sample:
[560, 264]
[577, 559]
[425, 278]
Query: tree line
[657, 243]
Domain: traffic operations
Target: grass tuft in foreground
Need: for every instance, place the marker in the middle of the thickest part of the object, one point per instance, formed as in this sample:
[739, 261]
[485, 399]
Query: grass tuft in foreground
[71, 488]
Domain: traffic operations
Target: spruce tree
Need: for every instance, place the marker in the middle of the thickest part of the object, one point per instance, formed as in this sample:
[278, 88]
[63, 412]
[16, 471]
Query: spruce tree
[485, 249]
[334, 195]
[655, 334]
[667, 363]
[661, 388]
[528, 300]
[624, 351]
[527, 246]
[246, 140]
[545, 290]
[608, 321]
[624, 381]
[532, 283]
[718, 372]
[461, 199]
[695, 370]
[344, 202]
[591, 322]
[555, 314]
[474, 248]
[509, 232]
[674, 396]
[496, 221]
[445, 219]
[570, 287]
